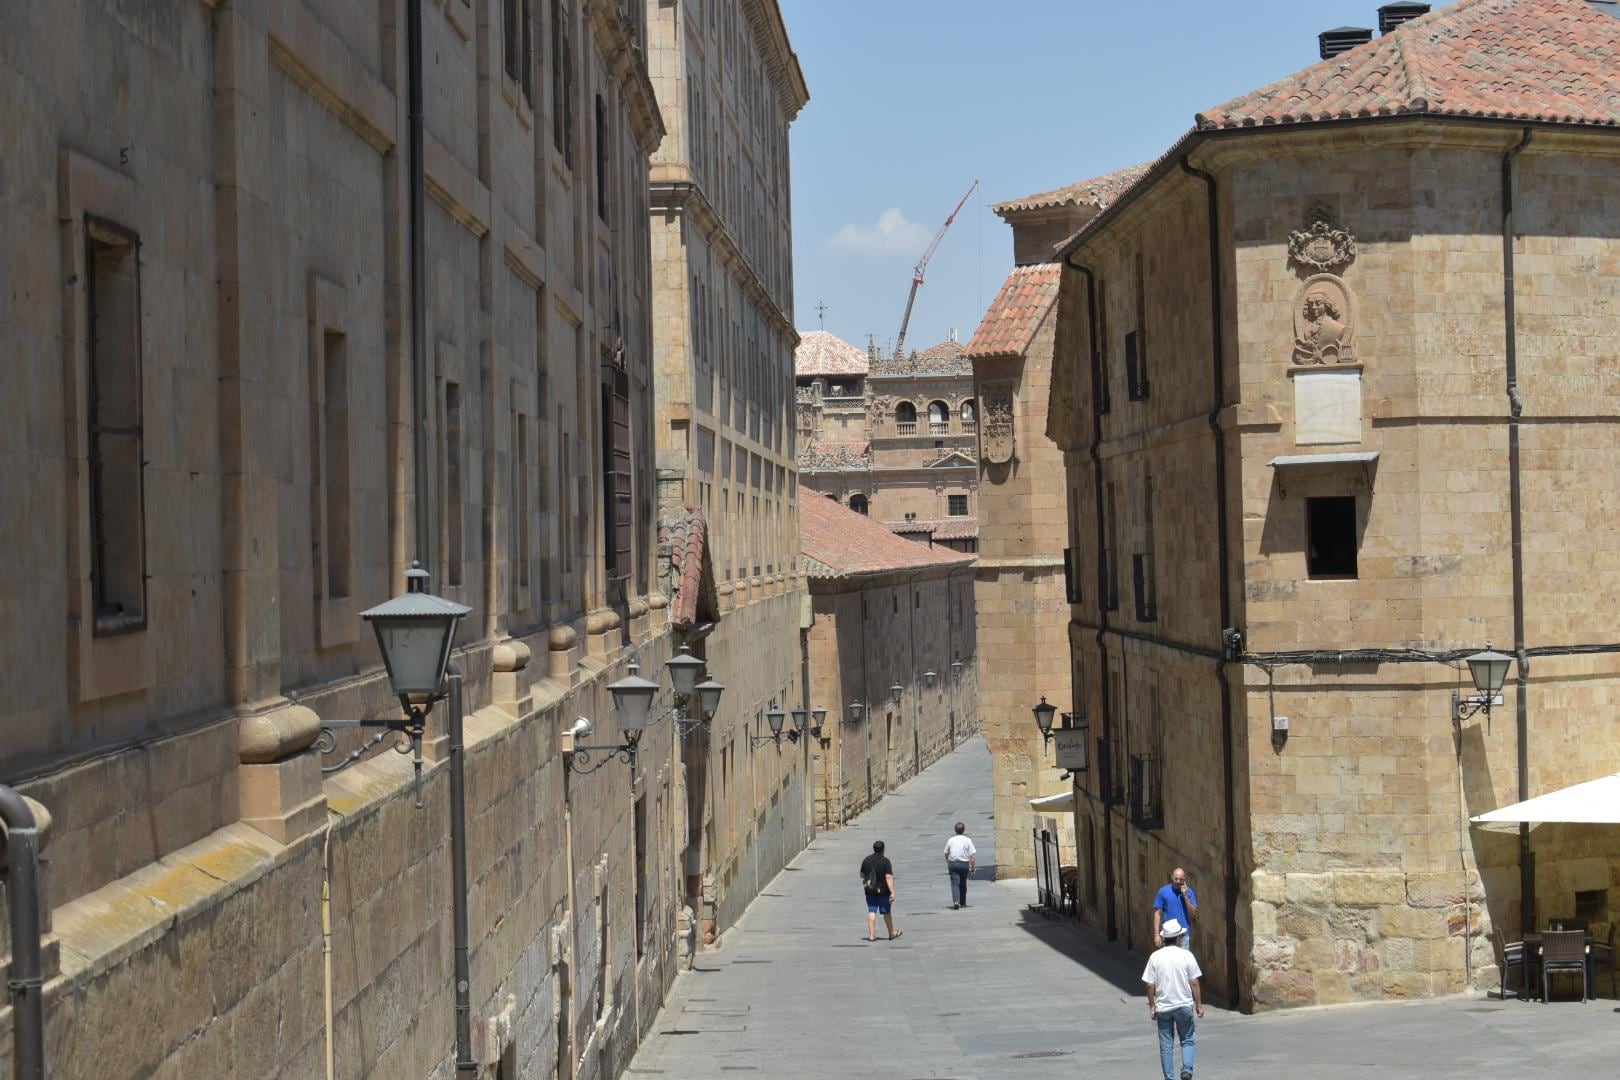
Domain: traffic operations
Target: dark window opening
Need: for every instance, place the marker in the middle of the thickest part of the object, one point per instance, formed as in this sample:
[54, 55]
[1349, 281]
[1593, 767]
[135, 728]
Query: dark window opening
[601, 159]
[958, 505]
[519, 42]
[562, 84]
[1136, 382]
[1071, 575]
[618, 506]
[113, 414]
[1330, 528]
[858, 504]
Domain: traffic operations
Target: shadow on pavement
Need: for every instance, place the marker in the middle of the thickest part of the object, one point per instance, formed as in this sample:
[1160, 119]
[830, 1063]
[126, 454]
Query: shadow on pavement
[1066, 937]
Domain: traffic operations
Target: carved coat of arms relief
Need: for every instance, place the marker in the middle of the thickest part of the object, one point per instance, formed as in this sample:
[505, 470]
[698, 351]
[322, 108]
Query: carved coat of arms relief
[996, 423]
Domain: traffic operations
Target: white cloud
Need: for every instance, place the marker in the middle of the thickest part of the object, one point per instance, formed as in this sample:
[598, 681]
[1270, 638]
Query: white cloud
[891, 234]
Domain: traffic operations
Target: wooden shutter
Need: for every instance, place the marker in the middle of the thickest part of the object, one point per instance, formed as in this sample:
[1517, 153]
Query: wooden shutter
[618, 507]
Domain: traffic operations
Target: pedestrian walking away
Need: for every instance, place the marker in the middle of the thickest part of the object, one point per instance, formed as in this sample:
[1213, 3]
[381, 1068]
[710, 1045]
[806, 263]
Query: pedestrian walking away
[877, 878]
[1177, 901]
[1174, 999]
[961, 859]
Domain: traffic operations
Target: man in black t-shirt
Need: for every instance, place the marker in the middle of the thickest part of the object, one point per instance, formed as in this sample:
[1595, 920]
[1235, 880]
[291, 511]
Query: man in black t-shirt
[877, 877]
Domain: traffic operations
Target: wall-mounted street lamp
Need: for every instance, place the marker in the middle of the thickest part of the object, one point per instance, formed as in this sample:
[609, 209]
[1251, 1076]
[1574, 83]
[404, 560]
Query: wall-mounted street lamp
[1489, 671]
[1044, 714]
[894, 693]
[928, 679]
[774, 716]
[856, 709]
[956, 669]
[813, 718]
[632, 700]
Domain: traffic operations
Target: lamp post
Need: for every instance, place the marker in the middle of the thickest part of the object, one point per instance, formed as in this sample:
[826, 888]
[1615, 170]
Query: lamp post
[1489, 671]
[415, 631]
[632, 700]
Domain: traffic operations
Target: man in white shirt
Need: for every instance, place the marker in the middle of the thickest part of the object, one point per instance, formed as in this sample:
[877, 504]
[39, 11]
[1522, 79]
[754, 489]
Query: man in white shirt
[1172, 976]
[961, 859]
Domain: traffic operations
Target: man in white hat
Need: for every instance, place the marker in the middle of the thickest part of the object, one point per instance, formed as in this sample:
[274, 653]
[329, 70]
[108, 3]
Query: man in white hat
[1174, 997]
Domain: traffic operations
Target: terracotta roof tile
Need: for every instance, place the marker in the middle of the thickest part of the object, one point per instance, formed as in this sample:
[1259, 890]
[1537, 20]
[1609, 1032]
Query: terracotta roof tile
[1549, 60]
[1098, 193]
[956, 528]
[688, 535]
[838, 543]
[1016, 312]
[946, 350]
[820, 353]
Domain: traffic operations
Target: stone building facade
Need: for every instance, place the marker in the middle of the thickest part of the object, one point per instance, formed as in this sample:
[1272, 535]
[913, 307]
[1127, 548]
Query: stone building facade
[891, 629]
[892, 437]
[1336, 410]
[730, 85]
[212, 419]
[1022, 587]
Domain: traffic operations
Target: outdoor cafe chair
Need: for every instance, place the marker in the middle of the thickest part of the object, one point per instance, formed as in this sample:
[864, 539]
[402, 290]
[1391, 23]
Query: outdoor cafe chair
[1513, 954]
[1562, 952]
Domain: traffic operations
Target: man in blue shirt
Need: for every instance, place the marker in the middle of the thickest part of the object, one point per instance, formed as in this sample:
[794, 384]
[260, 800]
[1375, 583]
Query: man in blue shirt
[1175, 901]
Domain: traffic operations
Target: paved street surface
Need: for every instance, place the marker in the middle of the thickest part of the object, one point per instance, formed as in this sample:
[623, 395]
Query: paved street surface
[997, 990]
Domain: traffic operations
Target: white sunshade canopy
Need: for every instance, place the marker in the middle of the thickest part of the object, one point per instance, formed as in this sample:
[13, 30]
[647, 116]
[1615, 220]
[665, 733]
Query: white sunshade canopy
[1061, 801]
[1596, 802]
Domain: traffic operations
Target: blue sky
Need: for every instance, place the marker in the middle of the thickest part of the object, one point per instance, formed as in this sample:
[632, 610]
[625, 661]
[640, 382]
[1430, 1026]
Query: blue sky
[912, 100]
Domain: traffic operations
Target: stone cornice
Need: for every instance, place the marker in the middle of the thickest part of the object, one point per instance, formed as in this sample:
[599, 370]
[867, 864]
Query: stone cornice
[766, 18]
[687, 197]
[625, 58]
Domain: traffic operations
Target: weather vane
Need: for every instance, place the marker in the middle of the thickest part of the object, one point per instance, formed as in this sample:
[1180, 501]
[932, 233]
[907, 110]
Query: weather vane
[821, 312]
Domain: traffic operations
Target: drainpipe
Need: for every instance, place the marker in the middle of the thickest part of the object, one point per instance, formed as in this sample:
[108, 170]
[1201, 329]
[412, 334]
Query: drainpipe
[1527, 859]
[465, 1065]
[421, 387]
[1223, 561]
[27, 981]
[1095, 450]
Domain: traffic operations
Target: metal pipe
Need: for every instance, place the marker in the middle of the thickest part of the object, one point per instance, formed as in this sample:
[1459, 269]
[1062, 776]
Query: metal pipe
[420, 385]
[27, 979]
[1223, 563]
[1521, 710]
[1095, 451]
[458, 874]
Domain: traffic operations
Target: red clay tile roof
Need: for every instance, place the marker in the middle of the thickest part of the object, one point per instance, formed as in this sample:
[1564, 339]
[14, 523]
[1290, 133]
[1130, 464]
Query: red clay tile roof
[956, 528]
[1549, 60]
[1016, 312]
[948, 349]
[687, 536]
[820, 353]
[1097, 192]
[839, 543]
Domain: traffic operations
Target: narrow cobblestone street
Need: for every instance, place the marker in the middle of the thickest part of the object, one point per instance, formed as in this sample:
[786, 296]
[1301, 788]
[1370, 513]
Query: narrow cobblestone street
[998, 990]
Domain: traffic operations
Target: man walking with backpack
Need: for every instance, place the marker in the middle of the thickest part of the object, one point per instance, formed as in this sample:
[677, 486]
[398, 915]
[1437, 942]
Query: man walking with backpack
[877, 877]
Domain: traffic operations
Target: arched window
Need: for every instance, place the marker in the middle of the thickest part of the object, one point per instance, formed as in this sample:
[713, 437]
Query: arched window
[857, 503]
[939, 418]
[905, 418]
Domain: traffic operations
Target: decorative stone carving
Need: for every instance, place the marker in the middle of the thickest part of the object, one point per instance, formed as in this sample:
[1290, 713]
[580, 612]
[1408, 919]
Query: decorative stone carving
[1321, 245]
[814, 458]
[1324, 322]
[883, 404]
[996, 424]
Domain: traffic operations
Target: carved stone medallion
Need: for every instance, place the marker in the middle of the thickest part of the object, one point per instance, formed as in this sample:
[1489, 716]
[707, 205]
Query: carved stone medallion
[1324, 322]
[1321, 245]
[996, 424]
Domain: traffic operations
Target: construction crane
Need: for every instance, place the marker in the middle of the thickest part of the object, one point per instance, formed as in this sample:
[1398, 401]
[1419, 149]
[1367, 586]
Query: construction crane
[922, 265]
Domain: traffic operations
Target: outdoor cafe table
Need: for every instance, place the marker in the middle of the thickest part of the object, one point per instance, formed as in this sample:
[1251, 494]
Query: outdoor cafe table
[1532, 947]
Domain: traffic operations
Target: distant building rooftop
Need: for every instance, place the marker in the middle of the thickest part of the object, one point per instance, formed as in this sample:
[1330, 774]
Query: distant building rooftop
[839, 543]
[822, 354]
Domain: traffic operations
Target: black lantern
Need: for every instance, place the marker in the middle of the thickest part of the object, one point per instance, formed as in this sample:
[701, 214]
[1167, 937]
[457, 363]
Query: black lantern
[708, 695]
[684, 669]
[956, 669]
[632, 697]
[415, 632]
[894, 693]
[928, 679]
[818, 717]
[774, 717]
[1489, 670]
[1044, 714]
[855, 711]
[800, 715]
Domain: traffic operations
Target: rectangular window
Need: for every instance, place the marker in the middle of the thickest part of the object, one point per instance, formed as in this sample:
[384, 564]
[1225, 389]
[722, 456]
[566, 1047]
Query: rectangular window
[958, 505]
[518, 28]
[1071, 575]
[618, 506]
[452, 487]
[1136, 384]
[335, 439]
[1330, 531]
[1104, 396]
[114, 415]
[641, 875]
[1110, 567]
[1143, 576]
[601, 158]
[562, 84]
[520, 501]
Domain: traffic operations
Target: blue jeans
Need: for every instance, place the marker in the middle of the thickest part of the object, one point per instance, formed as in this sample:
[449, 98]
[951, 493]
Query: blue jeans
[1173, 1024]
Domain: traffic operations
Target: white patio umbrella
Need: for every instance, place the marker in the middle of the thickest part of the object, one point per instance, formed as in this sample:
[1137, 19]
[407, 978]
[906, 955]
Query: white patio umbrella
[1596, 802]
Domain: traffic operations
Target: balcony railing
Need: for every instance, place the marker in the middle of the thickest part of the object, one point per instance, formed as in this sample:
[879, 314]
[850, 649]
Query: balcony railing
[939, 427]
[970, 427]
[905, 427]
[1147, 796]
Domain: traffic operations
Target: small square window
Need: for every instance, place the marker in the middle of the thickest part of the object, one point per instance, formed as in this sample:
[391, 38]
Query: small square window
[958, 505]
[1330, 528]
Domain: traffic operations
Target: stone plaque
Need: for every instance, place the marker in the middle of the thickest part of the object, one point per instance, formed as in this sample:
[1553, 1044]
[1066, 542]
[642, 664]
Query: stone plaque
[1327, 407]
[996, 426]
[1071, 745]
